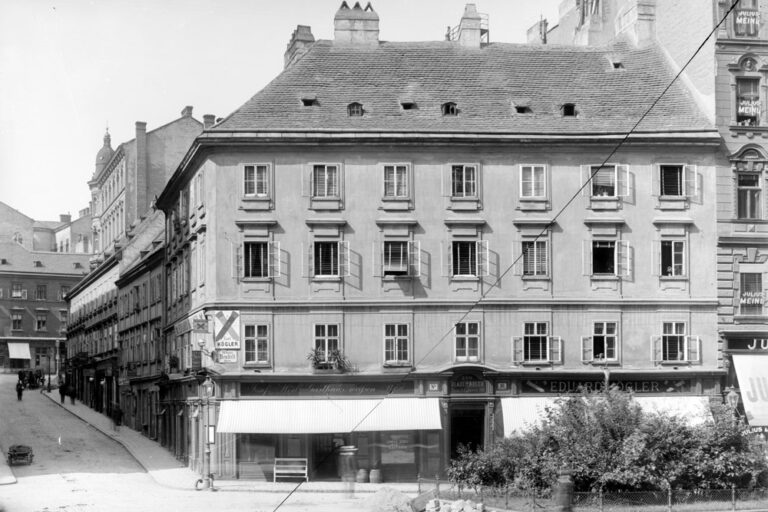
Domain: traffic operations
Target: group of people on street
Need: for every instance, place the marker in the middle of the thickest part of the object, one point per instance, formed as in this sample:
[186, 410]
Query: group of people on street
[64, 389]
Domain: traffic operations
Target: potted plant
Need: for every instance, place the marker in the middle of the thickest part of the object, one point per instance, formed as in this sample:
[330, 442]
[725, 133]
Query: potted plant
[333, 360]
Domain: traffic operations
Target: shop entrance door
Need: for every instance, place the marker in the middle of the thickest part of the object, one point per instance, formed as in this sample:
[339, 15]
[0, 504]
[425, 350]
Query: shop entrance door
[467, 426]
[325, 455]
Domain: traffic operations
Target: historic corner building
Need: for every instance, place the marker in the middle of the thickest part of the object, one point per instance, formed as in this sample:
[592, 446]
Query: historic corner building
[370, 251]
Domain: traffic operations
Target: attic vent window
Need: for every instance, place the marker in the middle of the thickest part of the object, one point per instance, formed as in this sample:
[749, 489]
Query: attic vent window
[450, 109]
[355, 110]
[408, 105]
[3, 261]
[617, 64]
[77, 264]
[523, 109]
[309, 101]
[37, 263]
[569, 110]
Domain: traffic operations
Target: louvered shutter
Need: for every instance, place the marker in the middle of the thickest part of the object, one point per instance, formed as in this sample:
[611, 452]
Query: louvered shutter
[237, 262]
[414, 258]
[586, 349]
[446, 259]
[656, 258]
[656, 178]
[586, 181]
[623, 181]
[307, 181]
[344, 266]
[308, 260]
[483, 258]
[691, 181]
[517, 257]
[555, 349]
[377, 257]
[517, 349]
[656, 352]
[624, 259]
[586, 257]
[693, 345]
[446, 181]
[274, 259]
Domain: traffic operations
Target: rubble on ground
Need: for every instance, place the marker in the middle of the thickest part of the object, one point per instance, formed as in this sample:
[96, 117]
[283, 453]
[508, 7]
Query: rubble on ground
[388, 499]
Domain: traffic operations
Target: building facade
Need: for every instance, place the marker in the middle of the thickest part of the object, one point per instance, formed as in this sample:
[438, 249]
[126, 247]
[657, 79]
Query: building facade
[426, 257]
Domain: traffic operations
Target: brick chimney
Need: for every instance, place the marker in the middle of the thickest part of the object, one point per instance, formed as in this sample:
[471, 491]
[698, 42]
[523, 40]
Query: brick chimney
[469, 27]
[537, 33]
[208, 121]
[65, 218]
[300, 42]
[187, 111]
[357, 25]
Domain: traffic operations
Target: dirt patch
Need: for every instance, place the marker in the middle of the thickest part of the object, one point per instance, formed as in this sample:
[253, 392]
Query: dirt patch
[387, 499]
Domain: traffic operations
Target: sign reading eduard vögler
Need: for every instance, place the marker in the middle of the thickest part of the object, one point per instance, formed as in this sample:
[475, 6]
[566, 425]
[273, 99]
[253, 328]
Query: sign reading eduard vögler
[226, 330]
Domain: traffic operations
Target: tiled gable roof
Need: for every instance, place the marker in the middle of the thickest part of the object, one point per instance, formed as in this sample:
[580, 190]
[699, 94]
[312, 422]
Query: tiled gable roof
[18, 259]
[485, 83]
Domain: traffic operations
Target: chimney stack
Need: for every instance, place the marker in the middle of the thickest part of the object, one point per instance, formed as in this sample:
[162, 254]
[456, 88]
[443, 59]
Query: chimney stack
[65, 218]
[537, 33]
[187, 111]
[301, 40]
[357, 25]
[208, 121]
[469, 27]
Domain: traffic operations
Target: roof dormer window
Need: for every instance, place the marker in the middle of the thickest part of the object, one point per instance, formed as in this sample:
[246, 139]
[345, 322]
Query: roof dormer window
[450, 109]
[569, 110]
[523, 109]
[408, 105]
[309, 101]
[355, 109]
[37, 263]
[617, 64]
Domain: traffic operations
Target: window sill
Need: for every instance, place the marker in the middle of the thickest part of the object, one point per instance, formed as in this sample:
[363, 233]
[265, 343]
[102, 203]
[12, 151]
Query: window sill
[465, 360]
[536, 363]
[257, 365]
[255, 199]
[673, 278]
[606, 277]
[393, 364]
[256, 280]
[395, 277]
[604, 203]
[326, 279]
[675, 363]
[535, 278]
[465, 278]
[603, 362]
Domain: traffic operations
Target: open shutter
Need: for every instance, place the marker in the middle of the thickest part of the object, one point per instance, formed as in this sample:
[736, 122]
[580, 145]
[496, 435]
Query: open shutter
[586, 349]
[656, 353]
[656, 181]
[237, 261]
[586, 171]
[586, 257]
[656, 258]
[446, 181]
[517, 257]
[517, 349]
[446, 259]
[306, 181]
[344, 258]
[624, 259]
[483, 258]
[691, 181]
[693, 344]
[623, 181]
[414, 258]
[308, 260]
[555, 349]
[377, 257]
[274, 259]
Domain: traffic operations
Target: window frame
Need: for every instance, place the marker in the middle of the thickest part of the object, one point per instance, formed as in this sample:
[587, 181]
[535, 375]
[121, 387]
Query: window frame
[623, 260]
[588, 348]
[17, 320]
[406, 181]
[325, 338]
[475, 181]
[467, 358]
[410, 265]
[757, 203]
[478, 249]
[314, 168]
[395, 341]
[682, 273]
[742, 96]
[524, 264]
[17, 290]
[688, 349]
[41, 321]
[267, 181]
[355, 109]
[342, 260]
[743, 312]
[621, 181]
[257, 339]
[41, 296]
[544, 185]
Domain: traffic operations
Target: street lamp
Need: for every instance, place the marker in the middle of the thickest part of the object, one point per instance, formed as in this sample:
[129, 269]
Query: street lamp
[50, 354]
[732, 398]
[209, 392]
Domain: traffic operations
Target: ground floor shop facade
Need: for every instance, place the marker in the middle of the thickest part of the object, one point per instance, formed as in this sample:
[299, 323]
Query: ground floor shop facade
[36, 354]
[405, 428]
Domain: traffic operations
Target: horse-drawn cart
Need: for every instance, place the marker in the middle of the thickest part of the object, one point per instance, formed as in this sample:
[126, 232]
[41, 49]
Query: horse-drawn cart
[19, 453]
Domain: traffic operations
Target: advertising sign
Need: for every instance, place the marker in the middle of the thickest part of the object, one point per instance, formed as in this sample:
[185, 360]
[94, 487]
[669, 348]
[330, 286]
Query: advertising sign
[226, 330]
[397, 449]
[753, 383]
[227, 356]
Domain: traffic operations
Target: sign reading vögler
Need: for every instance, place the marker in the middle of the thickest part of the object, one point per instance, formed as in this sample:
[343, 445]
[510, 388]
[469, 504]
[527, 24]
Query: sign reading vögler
[226, 330]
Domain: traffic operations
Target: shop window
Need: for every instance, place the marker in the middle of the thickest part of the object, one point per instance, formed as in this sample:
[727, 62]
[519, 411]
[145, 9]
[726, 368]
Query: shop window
[396, 344]
[467, 342]
[751, 293]
[748, 196]
[256, 343]
[748, 101]
[602, 345]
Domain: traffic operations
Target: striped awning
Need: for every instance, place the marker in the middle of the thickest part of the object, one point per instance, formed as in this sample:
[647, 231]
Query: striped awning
[327, 416]
[18, 350]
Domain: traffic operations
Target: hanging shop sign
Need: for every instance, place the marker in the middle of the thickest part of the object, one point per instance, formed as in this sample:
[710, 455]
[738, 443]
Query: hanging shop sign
[226, 330]
[197, 359]
[753, 344]
[323, 389]
[182, 326]
[560, 386]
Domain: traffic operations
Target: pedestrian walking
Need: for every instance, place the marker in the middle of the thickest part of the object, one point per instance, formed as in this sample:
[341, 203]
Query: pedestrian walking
[63, 392]
[19, 390]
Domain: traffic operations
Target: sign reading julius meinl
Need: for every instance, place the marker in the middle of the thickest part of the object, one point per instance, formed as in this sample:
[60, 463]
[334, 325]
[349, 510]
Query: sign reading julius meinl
[226, 330]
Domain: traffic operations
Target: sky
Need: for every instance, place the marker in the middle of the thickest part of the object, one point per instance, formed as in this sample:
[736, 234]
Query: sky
[71, 68]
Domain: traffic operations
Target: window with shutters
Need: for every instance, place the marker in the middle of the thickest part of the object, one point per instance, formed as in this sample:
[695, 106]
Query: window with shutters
[328, 259]
[673, 341]
[396, 344]
[605, 185]
[672, 258]
[536, 345]
[604, 182]
[467, 342]
[607, 258]
[604, 257]
[671, 180]
[16, 291]
[41, 321]
[325, 181]
[395, 260]
[41, 292]
[468, 258]
[535, 259]
[751, 295]
[602, 345]
[327, 340]
[16, 320]
[749, 196]
[256, 259]
[256, 337]
[256, 181]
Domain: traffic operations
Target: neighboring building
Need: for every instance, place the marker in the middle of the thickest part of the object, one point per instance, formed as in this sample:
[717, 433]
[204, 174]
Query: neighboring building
[123, 186]
[63, 235]
[728, 79]
[397, 204]
[33, 312]
[75, 235]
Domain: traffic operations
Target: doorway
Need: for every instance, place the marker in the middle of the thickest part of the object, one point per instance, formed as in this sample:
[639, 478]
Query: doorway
[467, 426]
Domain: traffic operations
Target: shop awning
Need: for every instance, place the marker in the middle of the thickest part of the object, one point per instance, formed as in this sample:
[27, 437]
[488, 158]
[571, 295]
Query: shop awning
[695, 409]
[326, 416]
[18, 350]
[524, 412]
[752, 372]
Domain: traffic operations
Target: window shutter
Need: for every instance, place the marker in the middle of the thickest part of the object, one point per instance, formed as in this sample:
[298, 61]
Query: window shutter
[656, 353]
[624, 259]
[344, 258]
[446, 259]
[274, 259]
[517, 349]
[693, 345]
[586, 184]
[656, 258]
[623, 181]
[377, 258]
[586, 257]
[483, 258]
[586, 349]
[555, 349]
[23, 294]
[307, 181]
[446, 181]
[517, 257]
[656, 181]
[307, 257]
[691, 181]
[414, 258]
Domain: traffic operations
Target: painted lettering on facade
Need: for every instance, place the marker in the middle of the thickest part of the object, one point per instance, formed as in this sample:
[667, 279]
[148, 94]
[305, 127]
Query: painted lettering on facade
[337, 388]
[468, 384]
[577, 386]
[226, 356]
[226, 330]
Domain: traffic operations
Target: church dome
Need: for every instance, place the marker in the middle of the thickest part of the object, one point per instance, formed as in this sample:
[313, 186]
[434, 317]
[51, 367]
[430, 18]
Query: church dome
[106, 151]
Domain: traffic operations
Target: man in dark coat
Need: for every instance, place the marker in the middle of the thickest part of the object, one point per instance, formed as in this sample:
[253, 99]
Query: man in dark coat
[63, 392]
[19, 389]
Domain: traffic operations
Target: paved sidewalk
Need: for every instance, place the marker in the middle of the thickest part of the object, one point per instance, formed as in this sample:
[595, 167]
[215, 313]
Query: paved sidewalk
[169, 472]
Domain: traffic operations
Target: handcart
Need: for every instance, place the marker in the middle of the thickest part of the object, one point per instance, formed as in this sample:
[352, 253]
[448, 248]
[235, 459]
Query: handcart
[19, 453]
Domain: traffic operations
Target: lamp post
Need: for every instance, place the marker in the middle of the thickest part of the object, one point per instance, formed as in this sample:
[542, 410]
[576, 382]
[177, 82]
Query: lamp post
[732, 399]
[50, 354]
[209, 391]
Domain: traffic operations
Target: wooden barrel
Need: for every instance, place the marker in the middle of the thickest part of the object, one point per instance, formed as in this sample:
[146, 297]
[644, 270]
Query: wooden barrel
[375, 476]
[362, 476]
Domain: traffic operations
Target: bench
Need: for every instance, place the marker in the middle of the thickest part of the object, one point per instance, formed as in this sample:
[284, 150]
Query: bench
[294, 468]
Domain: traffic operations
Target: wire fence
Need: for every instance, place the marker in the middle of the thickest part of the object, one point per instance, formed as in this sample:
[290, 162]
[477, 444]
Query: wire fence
[515, 500]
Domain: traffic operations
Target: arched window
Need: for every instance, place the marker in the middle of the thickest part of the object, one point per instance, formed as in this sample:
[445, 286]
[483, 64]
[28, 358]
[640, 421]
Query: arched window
[355, 109]
[450, 109]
